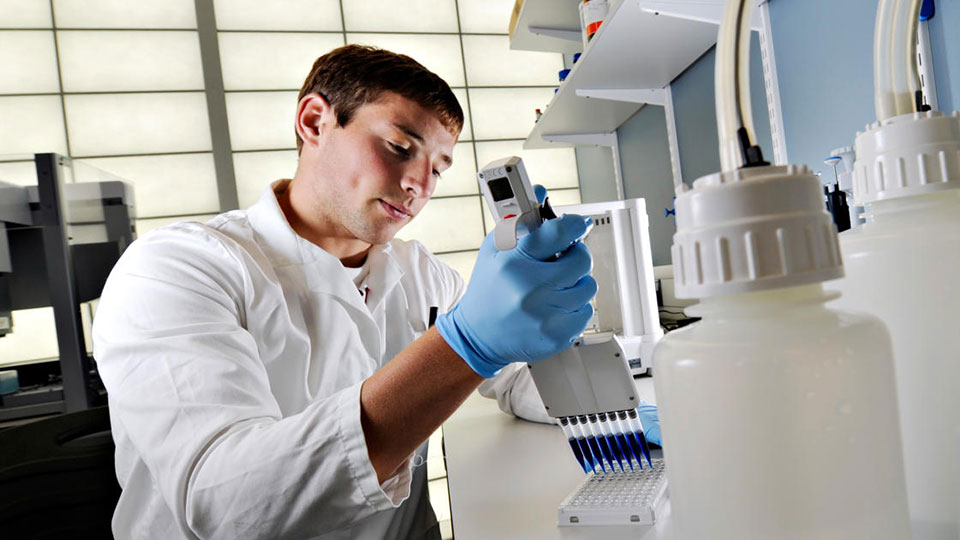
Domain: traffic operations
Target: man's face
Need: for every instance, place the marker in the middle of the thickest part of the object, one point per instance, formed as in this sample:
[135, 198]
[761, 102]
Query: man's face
[372, 176]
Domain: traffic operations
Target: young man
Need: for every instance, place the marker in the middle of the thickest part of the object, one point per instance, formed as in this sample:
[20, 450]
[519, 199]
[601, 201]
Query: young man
[272, 373]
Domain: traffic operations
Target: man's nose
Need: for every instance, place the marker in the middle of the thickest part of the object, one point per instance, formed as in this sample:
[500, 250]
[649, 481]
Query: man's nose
[418, 180]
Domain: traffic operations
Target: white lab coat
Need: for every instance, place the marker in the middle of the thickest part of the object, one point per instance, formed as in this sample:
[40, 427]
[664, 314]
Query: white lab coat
[233, 353]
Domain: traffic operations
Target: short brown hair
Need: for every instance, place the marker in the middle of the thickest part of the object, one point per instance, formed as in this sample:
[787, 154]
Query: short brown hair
[353, 75]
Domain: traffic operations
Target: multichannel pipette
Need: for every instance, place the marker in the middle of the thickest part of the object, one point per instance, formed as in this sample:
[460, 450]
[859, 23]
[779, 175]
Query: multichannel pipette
[588, 387]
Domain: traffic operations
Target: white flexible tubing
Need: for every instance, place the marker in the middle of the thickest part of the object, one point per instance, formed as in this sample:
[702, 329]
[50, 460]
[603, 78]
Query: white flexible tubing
[883, 38]
[903, 30]
[729, 53]
[896, 77]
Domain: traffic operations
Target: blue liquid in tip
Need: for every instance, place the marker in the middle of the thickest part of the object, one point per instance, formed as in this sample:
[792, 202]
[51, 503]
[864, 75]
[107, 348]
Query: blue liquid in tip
[578, 453]
[644, 447]
[607, 452]
[627, 451]
[617, 452]
[597, 453]
[635, 446]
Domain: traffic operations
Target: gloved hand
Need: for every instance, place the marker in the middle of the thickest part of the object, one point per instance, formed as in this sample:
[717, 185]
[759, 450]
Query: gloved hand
[650, 422]
[521, 306]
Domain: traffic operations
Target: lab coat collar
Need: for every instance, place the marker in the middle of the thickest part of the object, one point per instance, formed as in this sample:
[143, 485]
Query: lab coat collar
[285, 247]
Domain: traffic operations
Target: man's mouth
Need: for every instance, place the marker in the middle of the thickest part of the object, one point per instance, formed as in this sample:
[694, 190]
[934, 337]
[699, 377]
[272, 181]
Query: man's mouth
[396, 212]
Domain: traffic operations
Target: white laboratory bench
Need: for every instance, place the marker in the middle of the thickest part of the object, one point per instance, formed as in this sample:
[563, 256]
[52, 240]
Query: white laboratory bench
[507, 476]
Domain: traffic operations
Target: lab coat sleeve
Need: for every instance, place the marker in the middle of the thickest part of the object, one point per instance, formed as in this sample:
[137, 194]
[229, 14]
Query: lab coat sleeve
[187, 388]
[516, 394]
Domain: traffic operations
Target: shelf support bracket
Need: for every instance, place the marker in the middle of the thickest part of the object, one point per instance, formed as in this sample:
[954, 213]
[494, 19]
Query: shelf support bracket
[652, 96]
[771, 86]
[671, 118]
[595, 139]
[559, 33]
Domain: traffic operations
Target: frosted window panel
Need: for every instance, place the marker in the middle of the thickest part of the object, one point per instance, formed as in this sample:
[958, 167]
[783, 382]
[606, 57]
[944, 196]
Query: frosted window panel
[117, 61]
[28, 63]
[118, 124]
[506, 113]
[462, 262]
[257, 170]
[564, 197]
[21, 173]
[439, 54]
[447, 225]
[490, 62]
[24, 14]
[466, 133]
[86, 322]
[259, 61]
[262, 120]
[34, 337]
[485, 16]
[558, 197]
[437, 491]
[406, 16]
[167, 185]
[125, 14]
[145, 226]
[435, 467]
[278, 14]
[461, 177]
[31, 124]
[552, 168]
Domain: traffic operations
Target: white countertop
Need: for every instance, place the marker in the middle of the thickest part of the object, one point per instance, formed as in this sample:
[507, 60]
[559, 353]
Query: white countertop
[507, 476]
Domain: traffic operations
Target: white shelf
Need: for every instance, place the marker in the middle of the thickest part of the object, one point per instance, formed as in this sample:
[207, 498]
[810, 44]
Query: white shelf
[710, 11]
[634, 55]
[548, 25]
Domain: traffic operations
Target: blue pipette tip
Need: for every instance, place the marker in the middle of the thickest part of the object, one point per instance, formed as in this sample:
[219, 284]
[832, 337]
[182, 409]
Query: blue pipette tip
[644, 446]
[575, 446]
[627, 450]
[597, 453]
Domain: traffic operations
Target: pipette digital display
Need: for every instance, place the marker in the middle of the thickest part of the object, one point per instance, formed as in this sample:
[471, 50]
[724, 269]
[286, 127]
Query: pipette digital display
[512, 200]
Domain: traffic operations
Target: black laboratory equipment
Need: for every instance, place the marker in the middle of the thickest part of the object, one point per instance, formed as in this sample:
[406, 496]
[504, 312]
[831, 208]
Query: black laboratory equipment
[59, 239]
[838, 207]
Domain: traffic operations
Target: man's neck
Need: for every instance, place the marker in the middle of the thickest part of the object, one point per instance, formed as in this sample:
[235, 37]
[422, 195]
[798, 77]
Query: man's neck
[351, 251]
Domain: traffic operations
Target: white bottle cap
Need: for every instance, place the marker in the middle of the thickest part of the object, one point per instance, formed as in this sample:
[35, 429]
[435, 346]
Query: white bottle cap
[753, 229]
[910, 154]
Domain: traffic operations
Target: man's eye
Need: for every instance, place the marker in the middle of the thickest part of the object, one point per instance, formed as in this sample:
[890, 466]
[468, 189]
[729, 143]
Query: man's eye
[436, 173]
[399, 149]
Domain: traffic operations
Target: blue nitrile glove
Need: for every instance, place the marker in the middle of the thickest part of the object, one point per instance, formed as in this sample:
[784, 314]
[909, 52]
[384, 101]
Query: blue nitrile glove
[521, 306]
[650, 422]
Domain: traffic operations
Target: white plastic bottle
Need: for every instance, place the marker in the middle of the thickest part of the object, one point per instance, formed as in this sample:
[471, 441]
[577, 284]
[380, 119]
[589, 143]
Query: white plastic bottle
[778, 414]
[902, 266]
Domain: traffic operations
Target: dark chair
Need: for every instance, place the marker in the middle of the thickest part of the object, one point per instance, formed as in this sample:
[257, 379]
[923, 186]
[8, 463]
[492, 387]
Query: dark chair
[57, 477]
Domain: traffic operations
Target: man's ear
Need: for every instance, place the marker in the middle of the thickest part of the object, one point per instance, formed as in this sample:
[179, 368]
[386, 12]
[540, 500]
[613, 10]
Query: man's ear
[314, 116]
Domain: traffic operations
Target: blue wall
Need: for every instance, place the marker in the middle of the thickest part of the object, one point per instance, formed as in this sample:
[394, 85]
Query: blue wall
[824, 54]
[595, 167]
[645, 162]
